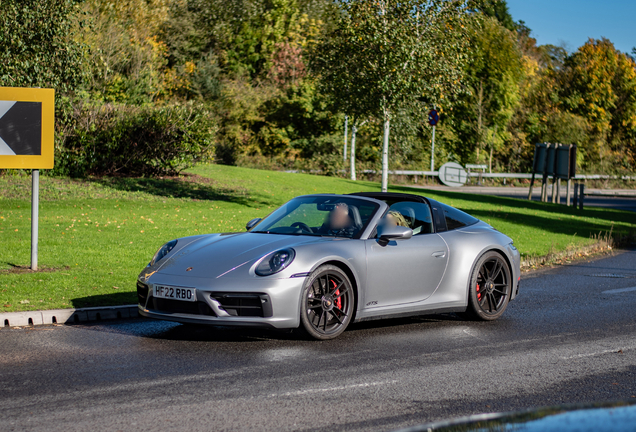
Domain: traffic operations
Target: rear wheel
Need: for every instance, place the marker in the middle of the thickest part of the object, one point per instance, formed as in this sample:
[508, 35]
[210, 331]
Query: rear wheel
[490, 287]
[327, 303]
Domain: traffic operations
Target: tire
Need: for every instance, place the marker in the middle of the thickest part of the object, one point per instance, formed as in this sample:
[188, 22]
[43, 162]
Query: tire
[490, 287]
[327, 304]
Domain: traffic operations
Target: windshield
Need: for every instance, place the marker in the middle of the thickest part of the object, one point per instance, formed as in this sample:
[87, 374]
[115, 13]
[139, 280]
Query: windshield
[333, 216]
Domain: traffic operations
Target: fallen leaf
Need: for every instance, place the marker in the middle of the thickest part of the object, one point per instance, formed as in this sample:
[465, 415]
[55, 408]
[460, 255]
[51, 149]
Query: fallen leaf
[115, 287]
[24, 302]
[7, 305]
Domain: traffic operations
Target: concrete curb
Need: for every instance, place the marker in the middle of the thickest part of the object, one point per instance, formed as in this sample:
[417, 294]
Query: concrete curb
[68, 316]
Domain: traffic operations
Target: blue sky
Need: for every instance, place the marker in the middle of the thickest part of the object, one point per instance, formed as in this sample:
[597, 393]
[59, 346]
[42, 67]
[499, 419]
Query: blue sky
[574, 21]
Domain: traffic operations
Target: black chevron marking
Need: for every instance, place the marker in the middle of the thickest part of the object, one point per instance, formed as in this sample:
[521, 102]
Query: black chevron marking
[21, 128]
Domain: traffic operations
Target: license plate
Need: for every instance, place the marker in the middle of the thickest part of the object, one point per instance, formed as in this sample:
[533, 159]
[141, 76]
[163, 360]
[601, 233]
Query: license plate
[175, 293]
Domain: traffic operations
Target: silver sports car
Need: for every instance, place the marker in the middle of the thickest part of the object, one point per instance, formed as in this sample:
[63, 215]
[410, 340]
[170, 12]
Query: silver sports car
[323, 261]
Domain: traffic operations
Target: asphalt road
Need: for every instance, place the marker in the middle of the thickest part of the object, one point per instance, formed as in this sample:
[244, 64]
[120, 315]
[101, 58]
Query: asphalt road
[570, 337]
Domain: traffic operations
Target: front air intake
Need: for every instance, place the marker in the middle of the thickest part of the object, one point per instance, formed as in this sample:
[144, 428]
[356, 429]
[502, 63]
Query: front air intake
[244, 304]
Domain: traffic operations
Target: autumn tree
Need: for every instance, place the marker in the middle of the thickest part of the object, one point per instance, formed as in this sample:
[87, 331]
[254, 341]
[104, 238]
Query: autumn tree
[385, 53]
[600, 86]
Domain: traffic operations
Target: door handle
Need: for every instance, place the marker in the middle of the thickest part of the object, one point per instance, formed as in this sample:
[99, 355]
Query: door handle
[439, 254]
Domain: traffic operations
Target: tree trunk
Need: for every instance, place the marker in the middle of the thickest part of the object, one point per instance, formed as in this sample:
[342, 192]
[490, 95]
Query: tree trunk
[480, 112]
[354, 129]
[385, 153]
[344, 152]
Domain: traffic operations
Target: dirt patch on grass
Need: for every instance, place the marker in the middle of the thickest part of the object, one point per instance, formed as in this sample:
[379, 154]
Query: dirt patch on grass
[25, 269]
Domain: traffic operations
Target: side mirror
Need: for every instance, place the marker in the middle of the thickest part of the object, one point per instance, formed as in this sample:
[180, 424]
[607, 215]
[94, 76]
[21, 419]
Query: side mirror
[388, 233]
[251, 224]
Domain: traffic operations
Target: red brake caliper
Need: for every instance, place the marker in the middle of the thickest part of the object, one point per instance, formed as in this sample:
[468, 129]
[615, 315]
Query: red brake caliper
[336, 294]
[478, 293]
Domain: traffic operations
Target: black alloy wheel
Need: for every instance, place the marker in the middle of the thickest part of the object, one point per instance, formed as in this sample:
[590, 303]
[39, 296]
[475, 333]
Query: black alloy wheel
[490, 287]
[328, 303]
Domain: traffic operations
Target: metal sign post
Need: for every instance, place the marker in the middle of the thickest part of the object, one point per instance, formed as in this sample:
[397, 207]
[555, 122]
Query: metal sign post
[35, 204]
[433, 151]
[27, 123]
[433, 119]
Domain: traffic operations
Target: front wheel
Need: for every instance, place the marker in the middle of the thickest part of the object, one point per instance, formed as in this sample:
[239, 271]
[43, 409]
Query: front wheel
[490, 287]
[328, 303]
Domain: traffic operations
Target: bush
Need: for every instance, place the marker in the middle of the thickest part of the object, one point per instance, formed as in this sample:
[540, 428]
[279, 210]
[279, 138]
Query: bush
[128, 140]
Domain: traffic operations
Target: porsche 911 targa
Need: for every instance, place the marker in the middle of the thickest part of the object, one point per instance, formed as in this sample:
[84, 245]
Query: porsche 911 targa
[321, 262]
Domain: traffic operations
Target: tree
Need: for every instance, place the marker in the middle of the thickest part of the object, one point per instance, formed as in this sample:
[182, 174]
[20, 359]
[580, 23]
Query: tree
[37, 43]
[498, 9]
[492, 78]
[354, 132]
[385, 53]
[126, 62]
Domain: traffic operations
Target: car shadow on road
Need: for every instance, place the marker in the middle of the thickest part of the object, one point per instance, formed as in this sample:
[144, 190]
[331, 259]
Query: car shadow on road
[406, 321]
[205, 333]
[172, 331]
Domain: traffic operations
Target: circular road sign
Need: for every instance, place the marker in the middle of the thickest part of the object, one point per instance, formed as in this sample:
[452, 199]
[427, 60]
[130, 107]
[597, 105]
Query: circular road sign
[453, 174]
[433, 117]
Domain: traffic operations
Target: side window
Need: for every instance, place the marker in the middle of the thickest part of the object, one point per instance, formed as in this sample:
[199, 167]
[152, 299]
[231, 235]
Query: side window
[416, 215]
[456, 218]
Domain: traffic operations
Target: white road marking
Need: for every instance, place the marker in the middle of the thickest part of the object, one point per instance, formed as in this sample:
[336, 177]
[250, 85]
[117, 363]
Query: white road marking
[619, 290]
[347, 387]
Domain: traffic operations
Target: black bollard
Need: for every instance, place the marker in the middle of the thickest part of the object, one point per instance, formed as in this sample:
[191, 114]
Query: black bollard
[582, 196]
[576, 195]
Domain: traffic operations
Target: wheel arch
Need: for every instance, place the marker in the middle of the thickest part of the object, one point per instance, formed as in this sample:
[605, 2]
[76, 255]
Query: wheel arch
[500, 251]
[355, 284]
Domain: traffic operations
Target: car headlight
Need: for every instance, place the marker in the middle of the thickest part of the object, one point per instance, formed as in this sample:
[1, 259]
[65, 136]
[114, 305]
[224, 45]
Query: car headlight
[275, 262]
[163, 251]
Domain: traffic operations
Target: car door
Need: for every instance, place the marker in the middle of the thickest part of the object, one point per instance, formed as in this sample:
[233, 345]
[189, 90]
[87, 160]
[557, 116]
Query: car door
[406, 271]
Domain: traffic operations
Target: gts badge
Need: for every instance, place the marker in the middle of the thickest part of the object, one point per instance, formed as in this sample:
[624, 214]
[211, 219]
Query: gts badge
[372, 303]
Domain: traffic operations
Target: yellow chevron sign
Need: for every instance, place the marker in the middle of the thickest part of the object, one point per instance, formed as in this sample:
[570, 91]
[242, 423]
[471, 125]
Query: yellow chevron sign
[27, 124]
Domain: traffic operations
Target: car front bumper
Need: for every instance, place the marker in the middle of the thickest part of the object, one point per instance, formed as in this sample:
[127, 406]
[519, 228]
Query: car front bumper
[266, 302]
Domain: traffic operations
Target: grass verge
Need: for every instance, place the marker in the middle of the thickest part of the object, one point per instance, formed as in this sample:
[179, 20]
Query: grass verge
[97, 234]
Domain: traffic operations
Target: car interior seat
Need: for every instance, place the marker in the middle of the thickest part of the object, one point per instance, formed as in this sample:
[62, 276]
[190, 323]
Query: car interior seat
[354, 214]
[418, 221]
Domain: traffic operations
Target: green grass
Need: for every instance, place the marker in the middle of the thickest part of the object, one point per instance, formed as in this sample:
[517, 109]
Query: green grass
[96, 235]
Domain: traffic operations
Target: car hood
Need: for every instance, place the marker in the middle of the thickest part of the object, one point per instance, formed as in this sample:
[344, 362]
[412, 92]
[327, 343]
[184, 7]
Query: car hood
[218, 255]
